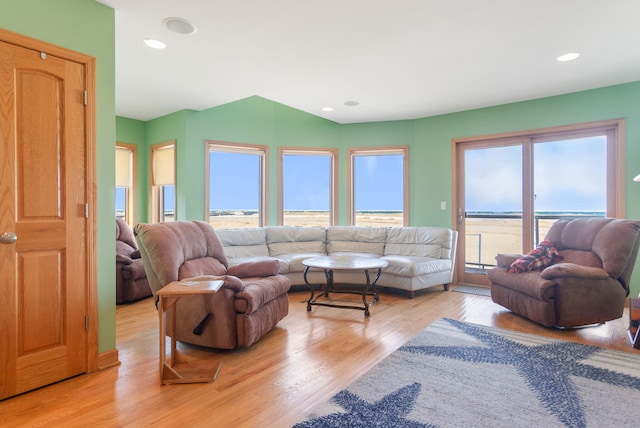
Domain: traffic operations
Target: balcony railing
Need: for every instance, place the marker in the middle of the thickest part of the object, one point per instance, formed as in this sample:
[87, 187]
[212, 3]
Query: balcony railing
[487, 234]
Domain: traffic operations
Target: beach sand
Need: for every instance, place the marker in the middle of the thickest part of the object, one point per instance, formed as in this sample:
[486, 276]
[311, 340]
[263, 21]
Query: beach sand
[304, 219]
[484, 238]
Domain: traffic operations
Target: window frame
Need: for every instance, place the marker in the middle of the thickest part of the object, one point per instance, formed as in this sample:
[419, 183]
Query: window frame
[131, 193]
[239, 148]
[156, 191]
[333, 177]
[378, 151]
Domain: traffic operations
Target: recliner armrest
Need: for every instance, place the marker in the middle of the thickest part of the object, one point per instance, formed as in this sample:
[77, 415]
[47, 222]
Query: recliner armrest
[230, 282]
[261, 268]
[572, 270]
[505, 260]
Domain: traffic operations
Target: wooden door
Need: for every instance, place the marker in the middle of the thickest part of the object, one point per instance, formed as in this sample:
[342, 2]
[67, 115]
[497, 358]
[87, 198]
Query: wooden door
[43, 249]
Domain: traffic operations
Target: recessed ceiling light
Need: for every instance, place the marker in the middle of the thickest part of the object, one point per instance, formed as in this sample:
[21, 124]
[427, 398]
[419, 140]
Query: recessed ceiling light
[568, 57]
[351, 103]
[155, 44]
[179, 25]
[327, 108]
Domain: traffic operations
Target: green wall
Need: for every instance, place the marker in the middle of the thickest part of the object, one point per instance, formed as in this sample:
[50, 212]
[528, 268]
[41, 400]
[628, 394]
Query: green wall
[259, 121]
[88, 27]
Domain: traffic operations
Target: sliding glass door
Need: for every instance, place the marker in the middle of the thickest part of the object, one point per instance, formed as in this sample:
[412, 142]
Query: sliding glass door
[511, 189]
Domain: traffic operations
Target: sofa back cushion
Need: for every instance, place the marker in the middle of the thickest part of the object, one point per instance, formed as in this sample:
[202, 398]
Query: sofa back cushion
[240, 243]
[290, 239]
[435, 242]
[356, 239]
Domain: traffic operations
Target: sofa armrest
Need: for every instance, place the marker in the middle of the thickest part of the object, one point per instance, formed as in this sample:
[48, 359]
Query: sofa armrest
[505, 260]
[572, 270]
[260, 268]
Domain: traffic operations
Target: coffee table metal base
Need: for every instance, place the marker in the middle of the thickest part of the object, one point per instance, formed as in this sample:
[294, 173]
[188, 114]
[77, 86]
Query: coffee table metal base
[369, 289]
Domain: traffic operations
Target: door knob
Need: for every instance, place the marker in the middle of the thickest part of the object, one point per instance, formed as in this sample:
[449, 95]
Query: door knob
[8, 238]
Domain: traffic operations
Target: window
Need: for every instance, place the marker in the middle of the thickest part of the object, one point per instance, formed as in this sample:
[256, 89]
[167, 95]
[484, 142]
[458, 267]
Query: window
[236, 185]
[163, 182]
[307, 187]
[126, 158]
[379, 186]
[513, 187]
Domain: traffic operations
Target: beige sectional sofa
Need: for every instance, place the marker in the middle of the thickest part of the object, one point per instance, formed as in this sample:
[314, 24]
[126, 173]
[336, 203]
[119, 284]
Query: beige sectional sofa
[418, 257]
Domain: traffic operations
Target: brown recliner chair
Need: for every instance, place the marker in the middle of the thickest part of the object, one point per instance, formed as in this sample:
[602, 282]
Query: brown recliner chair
[587, 286]
[251, 302]
[131, 280]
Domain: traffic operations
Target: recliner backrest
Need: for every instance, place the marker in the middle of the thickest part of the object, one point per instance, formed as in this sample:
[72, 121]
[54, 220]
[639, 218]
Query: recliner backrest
[599, 241]
[125, 241]
[176, 250]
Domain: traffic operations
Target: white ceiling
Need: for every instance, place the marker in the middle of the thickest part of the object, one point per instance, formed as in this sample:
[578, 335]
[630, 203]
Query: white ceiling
[400, 59]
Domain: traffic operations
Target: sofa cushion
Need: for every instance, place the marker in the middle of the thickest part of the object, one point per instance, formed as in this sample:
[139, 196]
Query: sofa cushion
[277, 249]
[354, 239]
[244, 242]
[412, 266]
[419, 241]
[295, 234]
[354, 254]
[292, 239]
[294, 260]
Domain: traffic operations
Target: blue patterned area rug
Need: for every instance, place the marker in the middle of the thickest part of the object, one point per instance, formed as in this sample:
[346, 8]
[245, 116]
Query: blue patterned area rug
[456, 374]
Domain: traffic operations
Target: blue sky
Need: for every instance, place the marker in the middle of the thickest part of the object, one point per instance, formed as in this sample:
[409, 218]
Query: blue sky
[306, 182]
[568, 176]
[379, 184]
[234, 181]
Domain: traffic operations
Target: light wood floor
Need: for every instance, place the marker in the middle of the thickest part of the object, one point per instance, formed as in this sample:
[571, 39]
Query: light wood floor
[305, 360]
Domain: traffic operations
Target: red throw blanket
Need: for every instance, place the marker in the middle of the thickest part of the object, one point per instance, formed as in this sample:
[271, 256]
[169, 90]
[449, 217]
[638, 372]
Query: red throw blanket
[537, 259]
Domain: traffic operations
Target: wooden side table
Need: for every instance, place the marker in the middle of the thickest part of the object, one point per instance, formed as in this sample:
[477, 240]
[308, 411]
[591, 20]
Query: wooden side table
[179, 368]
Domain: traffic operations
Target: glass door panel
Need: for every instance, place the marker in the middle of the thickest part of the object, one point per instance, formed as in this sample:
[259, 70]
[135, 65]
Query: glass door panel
[492, 220]
[570, 180]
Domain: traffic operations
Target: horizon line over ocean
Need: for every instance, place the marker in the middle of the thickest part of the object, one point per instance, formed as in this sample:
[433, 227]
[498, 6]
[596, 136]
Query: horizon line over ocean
[492, 213]
[510, 212]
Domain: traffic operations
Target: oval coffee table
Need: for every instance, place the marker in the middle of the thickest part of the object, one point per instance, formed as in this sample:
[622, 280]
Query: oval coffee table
[344, 263]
